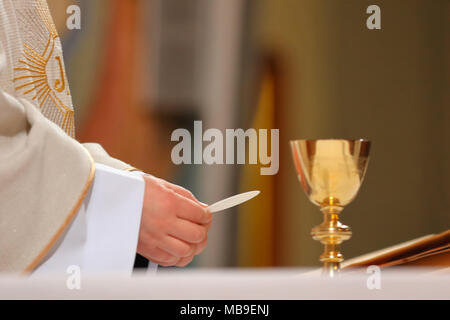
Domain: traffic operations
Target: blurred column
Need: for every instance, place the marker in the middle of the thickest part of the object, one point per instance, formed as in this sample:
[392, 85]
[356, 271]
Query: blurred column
[219, 88]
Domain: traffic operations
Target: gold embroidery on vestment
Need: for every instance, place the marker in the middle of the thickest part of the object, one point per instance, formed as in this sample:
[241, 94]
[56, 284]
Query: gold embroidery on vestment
[35, 79]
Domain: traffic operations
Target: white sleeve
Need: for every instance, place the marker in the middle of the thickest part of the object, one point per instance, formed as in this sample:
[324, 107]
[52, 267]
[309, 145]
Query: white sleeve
[152, 267]
[103, 237]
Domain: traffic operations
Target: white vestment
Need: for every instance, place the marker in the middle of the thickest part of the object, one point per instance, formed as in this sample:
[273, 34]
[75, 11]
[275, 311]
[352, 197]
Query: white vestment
[56, 209]
[103, 235]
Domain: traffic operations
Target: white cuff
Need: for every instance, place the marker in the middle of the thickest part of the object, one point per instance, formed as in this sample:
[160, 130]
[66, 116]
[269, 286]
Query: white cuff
[152, 267]
[103, 237]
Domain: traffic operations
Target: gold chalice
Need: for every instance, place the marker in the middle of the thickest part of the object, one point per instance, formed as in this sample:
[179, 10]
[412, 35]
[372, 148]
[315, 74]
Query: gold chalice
[331, 173]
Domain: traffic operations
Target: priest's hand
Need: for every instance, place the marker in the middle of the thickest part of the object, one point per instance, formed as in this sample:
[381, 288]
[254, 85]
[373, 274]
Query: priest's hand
[174, 225]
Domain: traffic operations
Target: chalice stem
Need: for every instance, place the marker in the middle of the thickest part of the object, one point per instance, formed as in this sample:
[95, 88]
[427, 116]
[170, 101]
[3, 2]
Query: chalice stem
[331, 259]
[331, 233]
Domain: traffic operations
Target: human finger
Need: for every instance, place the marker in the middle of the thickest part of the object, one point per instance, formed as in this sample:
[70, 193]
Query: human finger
[192, 211]
[201, 246]
[157, 254]
[188, 231]
[183, 192]
[176, 247]
[183, 262]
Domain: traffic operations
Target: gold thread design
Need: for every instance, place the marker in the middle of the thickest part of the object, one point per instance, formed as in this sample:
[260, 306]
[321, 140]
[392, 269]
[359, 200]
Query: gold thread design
[66, 222]
[60, 85]
[32, 75]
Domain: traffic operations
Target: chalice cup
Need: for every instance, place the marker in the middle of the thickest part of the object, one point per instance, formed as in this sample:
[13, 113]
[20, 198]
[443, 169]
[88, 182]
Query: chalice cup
[331, 173]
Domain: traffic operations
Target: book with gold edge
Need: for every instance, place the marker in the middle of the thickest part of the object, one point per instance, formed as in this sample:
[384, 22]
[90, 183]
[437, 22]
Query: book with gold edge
[429, 251]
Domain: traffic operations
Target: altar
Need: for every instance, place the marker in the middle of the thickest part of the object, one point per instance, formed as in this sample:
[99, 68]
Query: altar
[251, 284]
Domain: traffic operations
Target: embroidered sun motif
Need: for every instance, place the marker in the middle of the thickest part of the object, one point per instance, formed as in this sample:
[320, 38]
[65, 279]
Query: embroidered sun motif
[40, 74]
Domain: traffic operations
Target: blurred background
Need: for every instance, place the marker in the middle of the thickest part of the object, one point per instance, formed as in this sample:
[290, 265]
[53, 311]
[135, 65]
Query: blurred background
[139, 69]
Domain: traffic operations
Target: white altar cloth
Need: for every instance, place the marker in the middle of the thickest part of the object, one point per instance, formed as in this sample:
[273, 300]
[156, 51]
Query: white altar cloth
[233, 284]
